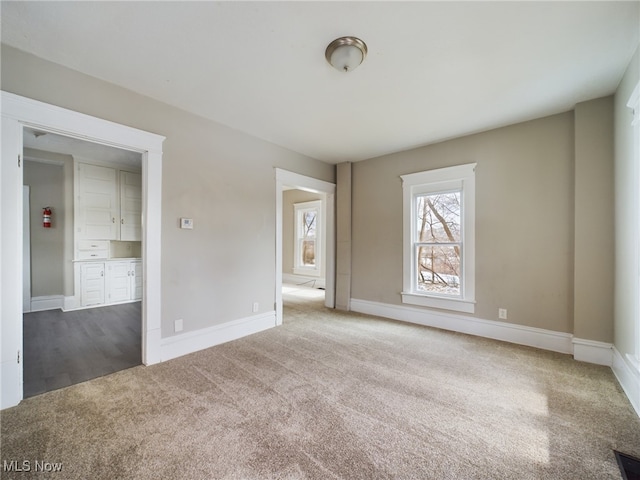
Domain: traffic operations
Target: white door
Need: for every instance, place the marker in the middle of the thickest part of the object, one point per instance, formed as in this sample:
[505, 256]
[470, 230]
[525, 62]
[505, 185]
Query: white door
[136, 280]
[26, 250]
[130, 206]
[97, 202]
[92, 281]
[119, 280]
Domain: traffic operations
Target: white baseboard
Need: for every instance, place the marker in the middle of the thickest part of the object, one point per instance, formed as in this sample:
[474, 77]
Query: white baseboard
[183, 344]
[313, 282]
[46, 302]
[628, 376]
[521, 335]
[591, 351]
[70, 303]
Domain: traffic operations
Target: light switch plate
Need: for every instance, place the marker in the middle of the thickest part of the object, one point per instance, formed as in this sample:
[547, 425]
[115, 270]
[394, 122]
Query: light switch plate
[186, 223]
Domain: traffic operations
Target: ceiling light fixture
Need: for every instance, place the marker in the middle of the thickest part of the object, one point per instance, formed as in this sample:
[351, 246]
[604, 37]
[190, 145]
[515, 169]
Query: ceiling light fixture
[346, 53]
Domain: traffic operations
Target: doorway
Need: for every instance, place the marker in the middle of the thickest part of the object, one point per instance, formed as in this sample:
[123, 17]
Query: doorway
[19, 112]
[63, 342]
[301, 278]
[303, 248]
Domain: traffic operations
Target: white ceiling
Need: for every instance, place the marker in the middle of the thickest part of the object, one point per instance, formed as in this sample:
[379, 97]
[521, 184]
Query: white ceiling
[81, 149]
[435, 70]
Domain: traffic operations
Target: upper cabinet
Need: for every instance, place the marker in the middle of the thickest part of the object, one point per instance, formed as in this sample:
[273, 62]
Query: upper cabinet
[130, 206]
[97, 202]
[108, 203]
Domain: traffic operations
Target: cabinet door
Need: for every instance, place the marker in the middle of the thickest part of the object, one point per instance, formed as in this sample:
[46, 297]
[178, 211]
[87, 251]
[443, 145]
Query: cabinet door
[119, 281]
[92, 284]
[136, 280]
[97, 202]
[130, 206]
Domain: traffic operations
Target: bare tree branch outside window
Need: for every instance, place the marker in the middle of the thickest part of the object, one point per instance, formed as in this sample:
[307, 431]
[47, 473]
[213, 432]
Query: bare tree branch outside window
[308, 248]
[438, 243]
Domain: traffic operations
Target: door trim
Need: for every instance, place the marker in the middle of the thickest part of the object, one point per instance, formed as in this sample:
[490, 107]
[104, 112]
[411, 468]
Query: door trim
[19, 112]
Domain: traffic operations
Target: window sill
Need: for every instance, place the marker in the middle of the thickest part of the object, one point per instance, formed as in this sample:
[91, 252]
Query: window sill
[466, 306]
[310, 272]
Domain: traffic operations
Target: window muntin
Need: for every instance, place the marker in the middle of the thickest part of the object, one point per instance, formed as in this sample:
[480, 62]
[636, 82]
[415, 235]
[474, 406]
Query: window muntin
[439, 238]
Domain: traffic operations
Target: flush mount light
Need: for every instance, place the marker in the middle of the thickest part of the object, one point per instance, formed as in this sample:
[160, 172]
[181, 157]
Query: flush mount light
[346, 53]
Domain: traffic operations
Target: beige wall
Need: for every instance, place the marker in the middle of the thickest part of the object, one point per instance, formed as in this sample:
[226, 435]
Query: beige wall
[524, 220]
[627, 185]
[220, 177]
[64, 212]
[46, 182]
[289, 199]
[594, 221]
[344, 210]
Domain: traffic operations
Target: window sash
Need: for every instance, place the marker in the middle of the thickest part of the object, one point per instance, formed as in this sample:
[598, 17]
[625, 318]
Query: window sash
[300, 265]
[416, 268]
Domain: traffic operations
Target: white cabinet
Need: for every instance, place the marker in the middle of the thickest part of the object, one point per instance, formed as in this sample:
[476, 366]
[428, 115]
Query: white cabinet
[96, 202]
[119, 278]
[124, 280]
[108, 203]
[109, 282]
[92, 284]
[93, 249]
[108, 220]
[136, 281]
[130, 206]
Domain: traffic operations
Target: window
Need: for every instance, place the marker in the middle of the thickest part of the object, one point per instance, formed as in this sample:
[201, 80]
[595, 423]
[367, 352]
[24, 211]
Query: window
[307, 238]
[439, 238]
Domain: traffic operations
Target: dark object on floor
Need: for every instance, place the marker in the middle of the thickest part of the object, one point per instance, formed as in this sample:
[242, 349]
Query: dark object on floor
[629, 466]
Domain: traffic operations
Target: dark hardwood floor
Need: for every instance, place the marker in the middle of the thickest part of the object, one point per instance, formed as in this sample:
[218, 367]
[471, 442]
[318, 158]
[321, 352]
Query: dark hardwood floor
[65, 348]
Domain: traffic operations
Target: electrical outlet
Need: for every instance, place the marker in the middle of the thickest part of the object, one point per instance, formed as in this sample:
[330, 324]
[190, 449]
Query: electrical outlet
[255, 307]
[177, 325]
[502, 313]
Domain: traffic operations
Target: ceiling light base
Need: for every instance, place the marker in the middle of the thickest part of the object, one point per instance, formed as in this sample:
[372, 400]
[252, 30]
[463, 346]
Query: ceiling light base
[346, 53]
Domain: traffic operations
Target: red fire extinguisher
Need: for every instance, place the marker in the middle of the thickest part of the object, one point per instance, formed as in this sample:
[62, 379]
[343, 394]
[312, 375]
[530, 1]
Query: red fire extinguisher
[46, 217]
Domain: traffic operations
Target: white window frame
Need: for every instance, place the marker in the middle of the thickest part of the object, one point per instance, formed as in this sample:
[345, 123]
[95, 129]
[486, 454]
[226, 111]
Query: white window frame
[459, 177]
[299, 211]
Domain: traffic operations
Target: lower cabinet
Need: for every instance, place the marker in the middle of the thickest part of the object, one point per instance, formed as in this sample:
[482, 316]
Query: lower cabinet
[91, 284]
[105, 283]
[124, 280]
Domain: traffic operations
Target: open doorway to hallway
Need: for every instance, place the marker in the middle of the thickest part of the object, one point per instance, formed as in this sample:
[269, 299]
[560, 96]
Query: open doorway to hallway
[304, 255]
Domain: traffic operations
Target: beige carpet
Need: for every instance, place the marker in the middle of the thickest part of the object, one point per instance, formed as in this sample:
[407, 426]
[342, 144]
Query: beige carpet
[334, 395]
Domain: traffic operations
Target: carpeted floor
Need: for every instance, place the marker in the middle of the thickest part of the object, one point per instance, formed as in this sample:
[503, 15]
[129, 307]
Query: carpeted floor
[334, 395]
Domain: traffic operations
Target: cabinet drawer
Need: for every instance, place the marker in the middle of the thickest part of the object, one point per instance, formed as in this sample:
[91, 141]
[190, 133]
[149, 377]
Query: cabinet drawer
[93, 254]
[93, 245]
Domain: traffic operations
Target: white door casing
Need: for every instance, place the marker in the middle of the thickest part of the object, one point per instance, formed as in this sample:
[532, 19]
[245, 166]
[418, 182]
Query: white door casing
[26, 250]
[19, 112]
